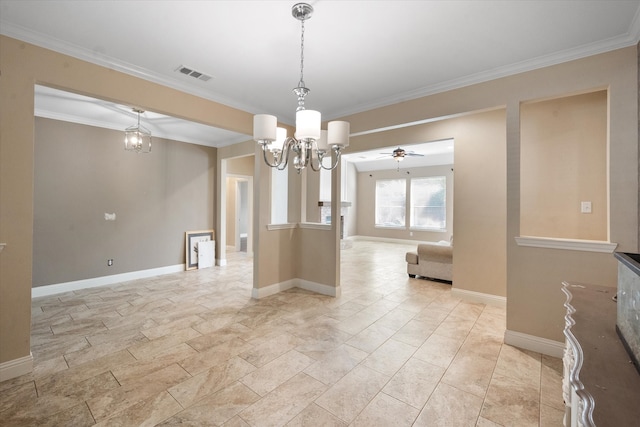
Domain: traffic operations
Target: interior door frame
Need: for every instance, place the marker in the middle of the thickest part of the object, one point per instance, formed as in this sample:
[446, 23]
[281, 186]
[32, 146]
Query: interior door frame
[249, 181]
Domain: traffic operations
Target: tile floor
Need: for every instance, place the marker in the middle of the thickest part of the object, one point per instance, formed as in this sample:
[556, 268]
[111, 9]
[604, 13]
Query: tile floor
[194, 349]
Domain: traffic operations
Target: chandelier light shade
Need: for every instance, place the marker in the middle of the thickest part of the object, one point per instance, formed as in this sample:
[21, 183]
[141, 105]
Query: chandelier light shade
[265, 127]
[323, 142]
[308, 125]
[137, 138]
[281, 137]
[310, 145]
[338, 134]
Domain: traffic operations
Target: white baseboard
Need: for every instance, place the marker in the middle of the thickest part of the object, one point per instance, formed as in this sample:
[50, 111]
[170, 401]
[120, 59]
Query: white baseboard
[221, 262]
[272, 289]
[319, 288]
[16, 367]
[296, 283]
[42, 291]
[534, 343]
[488, 299]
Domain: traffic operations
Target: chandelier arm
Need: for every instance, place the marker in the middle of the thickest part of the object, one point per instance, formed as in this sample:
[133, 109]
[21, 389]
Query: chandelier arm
[264, 154]
[276, 159]
[333, 165]
[284, 160]
[320, 156]
[316, 169]
[308, 158]
[284, 154]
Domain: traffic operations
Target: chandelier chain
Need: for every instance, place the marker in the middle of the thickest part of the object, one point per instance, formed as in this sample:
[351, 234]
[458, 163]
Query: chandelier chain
[301, 83]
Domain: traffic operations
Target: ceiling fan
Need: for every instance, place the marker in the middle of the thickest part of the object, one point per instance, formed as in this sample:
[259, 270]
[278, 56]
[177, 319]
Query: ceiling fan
[399, 154]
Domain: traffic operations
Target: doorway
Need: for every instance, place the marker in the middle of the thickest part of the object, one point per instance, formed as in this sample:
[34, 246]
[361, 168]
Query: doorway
[242, 217]
[239, 209]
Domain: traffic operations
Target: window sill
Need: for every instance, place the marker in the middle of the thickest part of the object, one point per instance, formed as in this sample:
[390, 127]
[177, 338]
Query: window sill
[315, 226]
[567, 244]
[308, 225]
[392, 227]
[430, 230]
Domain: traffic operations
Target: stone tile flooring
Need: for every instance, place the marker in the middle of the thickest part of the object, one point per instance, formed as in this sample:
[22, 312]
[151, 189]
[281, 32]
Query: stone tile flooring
[193, 348]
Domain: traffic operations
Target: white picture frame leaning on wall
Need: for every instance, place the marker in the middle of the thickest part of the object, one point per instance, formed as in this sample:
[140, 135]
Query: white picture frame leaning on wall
[192, 238]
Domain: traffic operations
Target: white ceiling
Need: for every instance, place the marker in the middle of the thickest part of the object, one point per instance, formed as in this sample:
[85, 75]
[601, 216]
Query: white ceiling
[70, 107]
[417, 155]
[358, 54]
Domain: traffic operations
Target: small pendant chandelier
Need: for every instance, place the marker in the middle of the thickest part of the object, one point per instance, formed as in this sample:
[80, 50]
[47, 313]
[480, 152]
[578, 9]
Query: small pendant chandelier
[310, 144]
[137, 138]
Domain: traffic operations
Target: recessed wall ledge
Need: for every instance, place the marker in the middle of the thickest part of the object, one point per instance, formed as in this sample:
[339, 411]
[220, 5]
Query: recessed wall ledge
[282, 226]
[567, 244]
[312, 225]
[315, 225]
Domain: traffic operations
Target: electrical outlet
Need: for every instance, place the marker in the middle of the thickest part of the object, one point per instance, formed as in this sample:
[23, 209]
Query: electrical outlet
[109, 262]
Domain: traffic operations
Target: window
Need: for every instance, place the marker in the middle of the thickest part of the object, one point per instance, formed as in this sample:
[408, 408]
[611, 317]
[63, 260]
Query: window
[428, 202]
[279, 195]
[391, 202]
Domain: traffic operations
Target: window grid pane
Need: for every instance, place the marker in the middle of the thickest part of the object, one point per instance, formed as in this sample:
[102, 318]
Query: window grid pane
[391, 202]
[428, 202]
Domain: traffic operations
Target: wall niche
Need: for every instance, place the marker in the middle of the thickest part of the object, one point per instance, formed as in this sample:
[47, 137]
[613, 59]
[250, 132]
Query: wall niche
[563, 164]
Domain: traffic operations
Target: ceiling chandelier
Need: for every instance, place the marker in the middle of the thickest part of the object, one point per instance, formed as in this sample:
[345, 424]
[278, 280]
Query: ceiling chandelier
[137, 138]
[309, 144]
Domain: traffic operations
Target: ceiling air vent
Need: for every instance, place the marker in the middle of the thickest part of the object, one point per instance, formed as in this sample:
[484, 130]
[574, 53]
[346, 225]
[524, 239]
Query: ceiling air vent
[193, 73]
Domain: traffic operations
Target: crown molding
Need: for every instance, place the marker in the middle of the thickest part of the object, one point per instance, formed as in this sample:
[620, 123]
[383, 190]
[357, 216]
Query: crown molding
[631, 37]
[38, 39]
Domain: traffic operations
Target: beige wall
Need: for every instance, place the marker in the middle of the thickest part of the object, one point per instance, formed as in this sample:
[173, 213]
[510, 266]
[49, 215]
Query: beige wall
[231, 211]
[298, 252]
[564, 162]
[479, 193]
[240, 166]
[533, 275]
[23, 66]
[83, 172]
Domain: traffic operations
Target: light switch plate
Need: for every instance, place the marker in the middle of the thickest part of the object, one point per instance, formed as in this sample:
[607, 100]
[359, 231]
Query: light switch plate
[585, 207]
